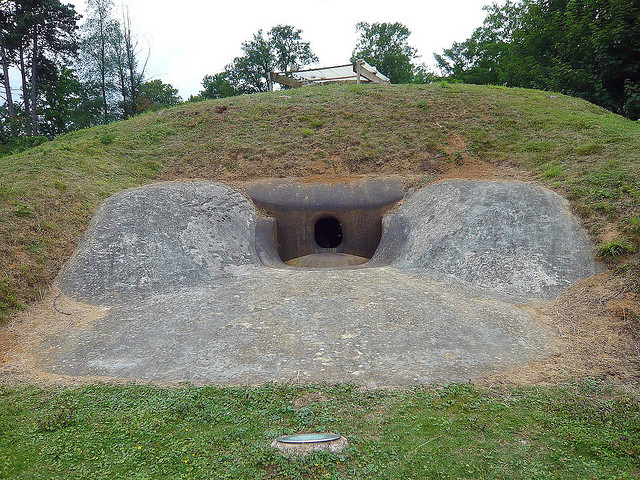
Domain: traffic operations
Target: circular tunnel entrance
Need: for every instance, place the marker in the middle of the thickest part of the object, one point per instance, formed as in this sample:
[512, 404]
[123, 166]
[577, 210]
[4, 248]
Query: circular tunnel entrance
[328, 232]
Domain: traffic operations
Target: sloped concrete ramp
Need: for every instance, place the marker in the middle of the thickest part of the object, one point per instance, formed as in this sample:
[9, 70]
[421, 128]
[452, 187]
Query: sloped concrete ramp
[188, 298]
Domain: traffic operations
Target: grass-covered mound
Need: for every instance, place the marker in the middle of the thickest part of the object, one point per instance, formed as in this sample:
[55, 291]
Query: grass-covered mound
[49, 193]
[581, 429]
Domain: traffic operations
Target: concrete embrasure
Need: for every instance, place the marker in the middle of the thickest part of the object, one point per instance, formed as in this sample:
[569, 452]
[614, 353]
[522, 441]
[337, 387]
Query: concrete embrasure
[188, 300]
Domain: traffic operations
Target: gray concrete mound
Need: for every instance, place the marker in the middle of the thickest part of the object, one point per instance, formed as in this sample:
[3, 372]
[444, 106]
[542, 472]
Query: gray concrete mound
[187, 298]
[161, 237]
[509, 237]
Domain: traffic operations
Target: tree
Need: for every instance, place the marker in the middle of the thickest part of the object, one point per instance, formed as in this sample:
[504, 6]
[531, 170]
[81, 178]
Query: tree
[216, 86]
[422, 74]
[130, 71]
[99, 34]
[282, 49]
[585, 48]
[34, 33]
[385, 46]
[7, 54]
[155, 95]
[110, 61]
[65, 106]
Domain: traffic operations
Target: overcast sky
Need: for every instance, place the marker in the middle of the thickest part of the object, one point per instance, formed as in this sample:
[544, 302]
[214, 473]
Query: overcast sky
[191, 38]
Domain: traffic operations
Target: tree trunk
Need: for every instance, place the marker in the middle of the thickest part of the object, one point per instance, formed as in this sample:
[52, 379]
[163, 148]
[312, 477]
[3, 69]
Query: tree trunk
[103, 63]
[135, 77]
[34, 82]
[131, 67]
[7, 85]
[122, 77]
[25, 92]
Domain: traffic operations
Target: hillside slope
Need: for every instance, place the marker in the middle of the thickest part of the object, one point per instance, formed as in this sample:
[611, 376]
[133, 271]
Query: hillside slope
[48, 194]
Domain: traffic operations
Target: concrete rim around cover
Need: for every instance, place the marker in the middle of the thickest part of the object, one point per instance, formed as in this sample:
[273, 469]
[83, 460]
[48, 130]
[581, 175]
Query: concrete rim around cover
[308, 438]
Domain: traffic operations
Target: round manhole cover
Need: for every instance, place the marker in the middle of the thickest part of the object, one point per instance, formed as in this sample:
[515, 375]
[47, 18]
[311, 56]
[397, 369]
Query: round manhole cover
[303, 438]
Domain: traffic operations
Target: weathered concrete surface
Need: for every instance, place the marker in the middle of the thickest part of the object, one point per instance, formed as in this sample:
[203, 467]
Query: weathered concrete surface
[327, 260]
[509, 237]
[158, 238]
[378, 327]
[189, 300]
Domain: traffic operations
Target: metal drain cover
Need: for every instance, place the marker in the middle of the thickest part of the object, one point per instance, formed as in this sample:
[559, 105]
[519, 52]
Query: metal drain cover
[308, 438]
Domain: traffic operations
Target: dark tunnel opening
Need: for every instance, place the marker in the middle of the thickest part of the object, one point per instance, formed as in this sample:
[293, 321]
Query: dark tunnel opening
[328, 232]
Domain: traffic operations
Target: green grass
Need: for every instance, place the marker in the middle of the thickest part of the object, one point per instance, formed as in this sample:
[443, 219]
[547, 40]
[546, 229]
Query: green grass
[615, 248]
[49, 193]
[579, 431]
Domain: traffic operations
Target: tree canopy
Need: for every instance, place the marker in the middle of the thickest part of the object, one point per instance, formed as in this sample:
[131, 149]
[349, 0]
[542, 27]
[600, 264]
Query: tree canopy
[70, 77]
[386, 46]
[585, 48]
[156, 95]
[38, 38]
[216, 86]
[281, 49]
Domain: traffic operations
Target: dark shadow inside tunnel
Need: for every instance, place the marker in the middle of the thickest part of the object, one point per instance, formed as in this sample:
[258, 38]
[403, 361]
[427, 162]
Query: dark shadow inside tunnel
[328, 232]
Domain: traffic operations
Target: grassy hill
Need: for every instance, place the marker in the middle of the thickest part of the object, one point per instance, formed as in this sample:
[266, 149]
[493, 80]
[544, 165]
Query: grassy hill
[579, 429]
[49, 193]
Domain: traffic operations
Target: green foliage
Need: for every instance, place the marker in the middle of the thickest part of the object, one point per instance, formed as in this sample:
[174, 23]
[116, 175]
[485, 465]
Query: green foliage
[422, 74]
[282, 49]
[615, 248]
[38, 38]
[552, 171]
[306, 132]
[589, 148]
[156, 95]
[107, 138]
[582, 48]
[216, 86]
[23, 210]
[66, 105]
[109, 63]
[9, 299]
[20, 144]
[386, 47]
[631, 107]
[539, 146]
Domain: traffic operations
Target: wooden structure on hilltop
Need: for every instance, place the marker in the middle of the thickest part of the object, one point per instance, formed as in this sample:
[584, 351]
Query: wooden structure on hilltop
[356, 72]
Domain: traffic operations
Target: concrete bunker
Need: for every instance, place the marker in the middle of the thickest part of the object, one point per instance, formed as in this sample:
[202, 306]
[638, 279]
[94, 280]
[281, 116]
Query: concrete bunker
[180, 269]
[322, 225]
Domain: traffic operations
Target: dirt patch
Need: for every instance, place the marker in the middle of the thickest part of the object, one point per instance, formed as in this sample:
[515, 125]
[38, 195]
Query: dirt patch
[474, 169]
[597, 324]
[308, 398]
[55, 313]
[8, 341]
